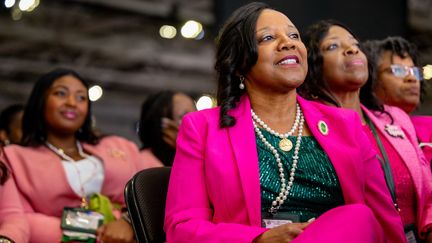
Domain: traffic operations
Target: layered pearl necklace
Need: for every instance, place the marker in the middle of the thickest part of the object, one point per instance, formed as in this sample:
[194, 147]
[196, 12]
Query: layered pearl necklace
[64, 156]
[285, 188]
[284, 144]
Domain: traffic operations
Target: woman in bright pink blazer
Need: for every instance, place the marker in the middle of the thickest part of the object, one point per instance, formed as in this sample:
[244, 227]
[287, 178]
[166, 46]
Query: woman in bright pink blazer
[218, 179]
[342, 77]
[13, 224]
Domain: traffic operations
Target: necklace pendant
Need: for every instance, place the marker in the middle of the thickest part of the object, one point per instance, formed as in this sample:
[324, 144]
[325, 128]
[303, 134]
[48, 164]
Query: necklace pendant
[285, 144]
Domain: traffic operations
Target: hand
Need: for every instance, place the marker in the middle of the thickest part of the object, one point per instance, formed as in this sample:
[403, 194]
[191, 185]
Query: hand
[118, 231]
[169, 131]
[282, 233]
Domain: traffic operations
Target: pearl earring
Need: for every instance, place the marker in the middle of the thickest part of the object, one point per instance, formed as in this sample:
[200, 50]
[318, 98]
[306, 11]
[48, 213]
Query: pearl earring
[241, 85]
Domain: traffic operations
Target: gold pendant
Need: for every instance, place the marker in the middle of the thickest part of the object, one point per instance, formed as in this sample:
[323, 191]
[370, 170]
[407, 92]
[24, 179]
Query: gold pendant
[285, 144]
[84, 203]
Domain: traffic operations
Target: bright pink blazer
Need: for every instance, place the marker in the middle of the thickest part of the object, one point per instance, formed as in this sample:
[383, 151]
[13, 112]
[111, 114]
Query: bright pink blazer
[214, 190]
[423, 127]
[413, 158]
[45, 191]
[13, 223]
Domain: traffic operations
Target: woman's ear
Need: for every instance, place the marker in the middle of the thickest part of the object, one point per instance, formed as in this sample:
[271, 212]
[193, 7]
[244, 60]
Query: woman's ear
[4, 137]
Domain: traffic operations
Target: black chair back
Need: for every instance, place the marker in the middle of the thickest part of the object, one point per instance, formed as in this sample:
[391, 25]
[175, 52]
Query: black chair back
[145, 196]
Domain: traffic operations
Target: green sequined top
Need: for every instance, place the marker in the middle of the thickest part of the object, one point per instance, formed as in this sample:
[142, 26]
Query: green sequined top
[316, 187]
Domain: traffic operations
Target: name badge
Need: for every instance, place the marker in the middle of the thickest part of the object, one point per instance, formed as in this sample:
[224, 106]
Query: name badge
[81, 220]
[273, 220]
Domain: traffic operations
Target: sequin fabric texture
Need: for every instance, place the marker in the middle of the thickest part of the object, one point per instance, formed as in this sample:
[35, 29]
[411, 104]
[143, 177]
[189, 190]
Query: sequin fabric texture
[316, 187]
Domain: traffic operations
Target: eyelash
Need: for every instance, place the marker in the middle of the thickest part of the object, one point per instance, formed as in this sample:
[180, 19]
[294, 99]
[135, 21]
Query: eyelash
[294, 36]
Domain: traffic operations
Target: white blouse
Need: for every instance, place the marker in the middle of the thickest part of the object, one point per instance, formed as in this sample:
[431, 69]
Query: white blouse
[85, 176]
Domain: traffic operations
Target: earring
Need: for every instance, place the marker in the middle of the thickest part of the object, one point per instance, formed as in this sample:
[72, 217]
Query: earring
[241, 85]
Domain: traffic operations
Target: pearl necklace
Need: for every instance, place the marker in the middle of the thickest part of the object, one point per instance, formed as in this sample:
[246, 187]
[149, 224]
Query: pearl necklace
[284, 144]
[285, 189]
[61, 153]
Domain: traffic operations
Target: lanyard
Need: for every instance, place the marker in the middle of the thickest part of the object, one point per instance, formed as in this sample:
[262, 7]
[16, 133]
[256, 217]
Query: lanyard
[385, 163]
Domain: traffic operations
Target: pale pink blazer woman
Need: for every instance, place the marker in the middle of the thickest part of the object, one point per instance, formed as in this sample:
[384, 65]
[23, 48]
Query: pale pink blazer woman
[13, 223]
[413, 158]
[214, 190]
[44, 188]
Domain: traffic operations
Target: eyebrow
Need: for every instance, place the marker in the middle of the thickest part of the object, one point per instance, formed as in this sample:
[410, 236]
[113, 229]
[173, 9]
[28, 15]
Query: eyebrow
[336, 37]
[266, 28]
[65, 87]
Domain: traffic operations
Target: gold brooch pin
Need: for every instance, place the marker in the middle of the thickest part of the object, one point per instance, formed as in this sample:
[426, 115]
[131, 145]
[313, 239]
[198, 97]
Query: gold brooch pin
[118, 154]
[323, 128]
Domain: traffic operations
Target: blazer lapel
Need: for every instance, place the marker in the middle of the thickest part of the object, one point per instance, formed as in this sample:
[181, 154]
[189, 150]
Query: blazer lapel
[402, 146]
[243, 142]
[331, 143]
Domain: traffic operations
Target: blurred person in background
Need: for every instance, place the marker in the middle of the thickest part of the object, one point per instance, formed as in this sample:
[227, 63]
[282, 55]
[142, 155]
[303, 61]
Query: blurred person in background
[341, 76]
[161, 115]
[10, 124]
[64, 168]
[399, 82]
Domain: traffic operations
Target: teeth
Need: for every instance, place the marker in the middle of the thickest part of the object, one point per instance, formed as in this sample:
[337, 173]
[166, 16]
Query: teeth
[288, 61]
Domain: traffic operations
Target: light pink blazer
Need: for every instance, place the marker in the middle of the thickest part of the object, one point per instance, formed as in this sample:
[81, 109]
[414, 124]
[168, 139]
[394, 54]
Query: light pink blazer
[423, 127]
[149, 160]
[214, 191]
[13, 223]
[44, 188]
[413, 158]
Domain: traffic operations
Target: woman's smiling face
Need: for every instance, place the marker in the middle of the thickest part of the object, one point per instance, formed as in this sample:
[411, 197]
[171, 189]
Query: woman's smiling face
[282, 56]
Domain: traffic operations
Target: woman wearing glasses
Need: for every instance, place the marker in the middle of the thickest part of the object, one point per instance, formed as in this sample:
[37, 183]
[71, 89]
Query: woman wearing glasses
[339, 76]
[399, 82]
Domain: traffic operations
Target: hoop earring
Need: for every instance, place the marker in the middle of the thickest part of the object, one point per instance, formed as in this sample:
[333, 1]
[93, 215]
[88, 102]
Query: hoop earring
[241, 85]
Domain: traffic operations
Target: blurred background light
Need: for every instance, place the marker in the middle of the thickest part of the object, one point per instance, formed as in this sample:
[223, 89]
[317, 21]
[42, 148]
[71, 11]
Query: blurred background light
[204, 102]
[167, 31]
[16, 14]
[9, 3]
[28, 5]
[95, 93]
[191, 29]
[427, 71]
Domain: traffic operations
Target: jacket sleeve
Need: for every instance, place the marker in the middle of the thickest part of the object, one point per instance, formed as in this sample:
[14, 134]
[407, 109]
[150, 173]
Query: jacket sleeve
[43, 228]
[377, 194]
[189, 213]
[13, 223]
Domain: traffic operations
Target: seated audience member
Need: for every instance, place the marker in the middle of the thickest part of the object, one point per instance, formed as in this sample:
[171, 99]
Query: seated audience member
[265, 163]
[399, 82]
[161, 114]
[10, 124]
[62, 167]
[339, 76]
[13, 224]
